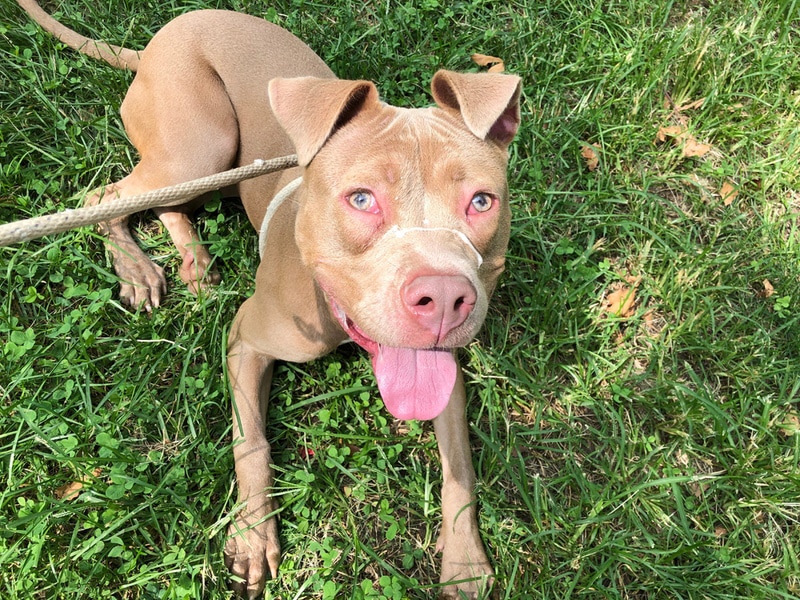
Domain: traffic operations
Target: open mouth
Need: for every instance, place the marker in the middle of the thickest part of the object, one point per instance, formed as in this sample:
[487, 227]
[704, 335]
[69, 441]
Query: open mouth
[355, 333]
[414, 383]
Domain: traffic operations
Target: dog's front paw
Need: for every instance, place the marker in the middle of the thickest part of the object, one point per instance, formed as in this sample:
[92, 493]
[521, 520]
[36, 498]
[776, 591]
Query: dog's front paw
[252, 552]
[466, 571]
[196, 269]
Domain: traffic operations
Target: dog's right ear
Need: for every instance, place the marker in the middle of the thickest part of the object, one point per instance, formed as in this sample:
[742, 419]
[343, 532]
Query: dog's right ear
[310, 109]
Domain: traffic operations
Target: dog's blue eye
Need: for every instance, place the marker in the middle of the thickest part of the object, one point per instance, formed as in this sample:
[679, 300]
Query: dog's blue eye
[482, 202]
[361, 200]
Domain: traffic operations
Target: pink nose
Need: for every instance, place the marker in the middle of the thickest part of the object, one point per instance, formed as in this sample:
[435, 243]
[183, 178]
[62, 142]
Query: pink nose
[440, 303]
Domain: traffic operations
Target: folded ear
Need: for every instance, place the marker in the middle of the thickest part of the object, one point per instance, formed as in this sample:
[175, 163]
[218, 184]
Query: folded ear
[310, 109]
[488, 102]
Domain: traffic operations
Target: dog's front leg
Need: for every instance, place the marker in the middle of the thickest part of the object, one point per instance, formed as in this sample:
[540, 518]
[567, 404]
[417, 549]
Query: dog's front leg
[465, 567]
[253, 546]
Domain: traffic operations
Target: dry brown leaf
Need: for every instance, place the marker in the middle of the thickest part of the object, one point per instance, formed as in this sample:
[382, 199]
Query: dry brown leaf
[698, 488]
[728, 193]
[620, 302]
[720, 531]
[694, 148]
[790, 425]
[70, 491]
[678, 132]
[496, 65]
[768, 289]
[691, 105]
[634, 280]
[589, 153]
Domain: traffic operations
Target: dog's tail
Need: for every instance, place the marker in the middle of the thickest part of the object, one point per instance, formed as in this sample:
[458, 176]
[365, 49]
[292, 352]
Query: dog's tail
[122, 58]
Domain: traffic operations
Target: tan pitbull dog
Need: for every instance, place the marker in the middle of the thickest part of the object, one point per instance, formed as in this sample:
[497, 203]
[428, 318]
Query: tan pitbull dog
[395, 238]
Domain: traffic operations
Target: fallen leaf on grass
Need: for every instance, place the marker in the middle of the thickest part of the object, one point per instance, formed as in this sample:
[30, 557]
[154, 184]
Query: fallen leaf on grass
[677, 109]
[680, 135]
[70, 491]
[589, 153]
[769, 289]
[620, 302]
[697, 488]
[694, 148]
[678, 132]
[728, 193]
[691, 105]
[496, 65]
[790, 425]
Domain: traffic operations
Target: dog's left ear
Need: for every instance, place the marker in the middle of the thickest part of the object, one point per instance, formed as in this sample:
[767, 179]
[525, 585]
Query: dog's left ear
[488, 102]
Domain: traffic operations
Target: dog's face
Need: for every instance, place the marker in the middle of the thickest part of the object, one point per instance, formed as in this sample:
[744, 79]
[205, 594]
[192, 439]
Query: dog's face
[405, 193]
[404, 222]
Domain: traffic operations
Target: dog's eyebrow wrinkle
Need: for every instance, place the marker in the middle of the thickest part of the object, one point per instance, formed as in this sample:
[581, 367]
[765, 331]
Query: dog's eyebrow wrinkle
[418, 123]
[388, 125]
[399, 118]
[436, 126]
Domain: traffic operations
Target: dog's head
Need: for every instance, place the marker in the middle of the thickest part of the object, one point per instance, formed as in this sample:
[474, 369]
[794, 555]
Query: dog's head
[404, 218]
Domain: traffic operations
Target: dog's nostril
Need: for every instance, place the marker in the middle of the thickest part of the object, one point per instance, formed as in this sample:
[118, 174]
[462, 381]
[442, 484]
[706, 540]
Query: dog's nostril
[459, 302]
[424, 301]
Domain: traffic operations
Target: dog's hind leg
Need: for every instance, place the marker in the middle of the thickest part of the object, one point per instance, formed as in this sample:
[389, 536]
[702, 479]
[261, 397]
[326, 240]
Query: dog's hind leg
[183, 131]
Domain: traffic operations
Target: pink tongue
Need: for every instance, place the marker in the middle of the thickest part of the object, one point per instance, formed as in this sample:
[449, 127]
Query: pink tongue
[414, 384]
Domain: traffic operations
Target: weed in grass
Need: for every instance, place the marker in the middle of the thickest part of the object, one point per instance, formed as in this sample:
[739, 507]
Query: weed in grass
[646, 455]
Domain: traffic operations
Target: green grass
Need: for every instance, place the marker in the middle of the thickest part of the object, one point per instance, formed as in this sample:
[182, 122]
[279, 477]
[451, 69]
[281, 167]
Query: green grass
[648, 456]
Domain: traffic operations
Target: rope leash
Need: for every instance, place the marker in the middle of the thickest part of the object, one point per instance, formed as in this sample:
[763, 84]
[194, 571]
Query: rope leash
[29, 229]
